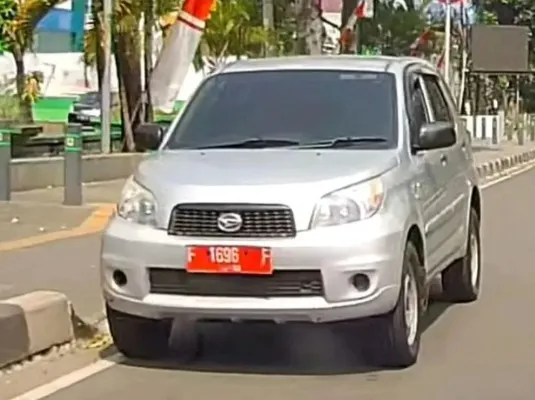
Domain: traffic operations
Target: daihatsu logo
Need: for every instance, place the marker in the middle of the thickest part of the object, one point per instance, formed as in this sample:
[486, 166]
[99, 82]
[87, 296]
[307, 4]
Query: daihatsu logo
[229, 222]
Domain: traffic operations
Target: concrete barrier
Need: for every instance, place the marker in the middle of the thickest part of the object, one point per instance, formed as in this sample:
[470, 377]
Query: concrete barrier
[32, 323]
[504, 164]
[36, 173]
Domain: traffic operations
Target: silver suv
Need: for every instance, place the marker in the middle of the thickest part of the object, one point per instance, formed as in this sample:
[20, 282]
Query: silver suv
[315, 189]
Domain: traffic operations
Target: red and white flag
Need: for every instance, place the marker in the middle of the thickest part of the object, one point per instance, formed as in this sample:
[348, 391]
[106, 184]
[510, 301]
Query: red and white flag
[177, 53]
[364, 9]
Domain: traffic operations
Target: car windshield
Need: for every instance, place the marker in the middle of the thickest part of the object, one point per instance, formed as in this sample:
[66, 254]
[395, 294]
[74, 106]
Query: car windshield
[89, 98]
[289, 108]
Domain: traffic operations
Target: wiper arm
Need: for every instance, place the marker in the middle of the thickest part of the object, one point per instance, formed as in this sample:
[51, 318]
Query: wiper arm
[255, 143]
[343, 141]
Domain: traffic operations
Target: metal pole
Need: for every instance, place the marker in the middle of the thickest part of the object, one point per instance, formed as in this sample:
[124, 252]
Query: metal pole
[447, 44]
[72, 195]
[5, 165]
[269, 22]
[105, 103]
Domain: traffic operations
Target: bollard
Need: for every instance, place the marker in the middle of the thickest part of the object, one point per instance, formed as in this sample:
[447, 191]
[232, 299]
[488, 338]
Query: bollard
[5, 165]
[495, 127]
[521, 126]
[72, 156]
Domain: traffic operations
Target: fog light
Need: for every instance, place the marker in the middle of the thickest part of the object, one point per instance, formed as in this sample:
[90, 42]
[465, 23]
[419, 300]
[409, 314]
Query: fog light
[119, 277]
[361, 282]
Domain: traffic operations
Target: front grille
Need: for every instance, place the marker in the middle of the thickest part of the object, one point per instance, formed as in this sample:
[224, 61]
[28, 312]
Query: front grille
[259, 220]
[281, 283]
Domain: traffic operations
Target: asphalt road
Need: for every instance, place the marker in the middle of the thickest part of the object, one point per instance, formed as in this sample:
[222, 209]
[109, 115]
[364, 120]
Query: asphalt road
[484, 350]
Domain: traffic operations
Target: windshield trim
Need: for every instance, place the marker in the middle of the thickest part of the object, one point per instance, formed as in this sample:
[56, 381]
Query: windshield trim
[390, 144]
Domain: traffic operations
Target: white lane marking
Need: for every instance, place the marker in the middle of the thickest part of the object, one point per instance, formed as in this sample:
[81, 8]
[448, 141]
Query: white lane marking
[70, 379]
[77, 376]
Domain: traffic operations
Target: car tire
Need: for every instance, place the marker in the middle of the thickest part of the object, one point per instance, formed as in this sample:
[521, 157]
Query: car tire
[461, 281]
[136, 337]
[185, 341]
[395, 337]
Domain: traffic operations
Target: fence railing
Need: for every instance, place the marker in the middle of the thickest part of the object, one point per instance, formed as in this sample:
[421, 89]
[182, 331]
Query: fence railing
[497, 128]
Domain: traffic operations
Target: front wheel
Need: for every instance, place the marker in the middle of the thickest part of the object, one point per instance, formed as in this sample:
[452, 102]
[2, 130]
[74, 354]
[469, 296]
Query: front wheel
[395, 337]
[461, 281]
[138, 337]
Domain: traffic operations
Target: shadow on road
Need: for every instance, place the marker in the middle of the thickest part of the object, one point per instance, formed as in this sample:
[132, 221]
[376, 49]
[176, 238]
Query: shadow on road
[479, 147]
[289, 349]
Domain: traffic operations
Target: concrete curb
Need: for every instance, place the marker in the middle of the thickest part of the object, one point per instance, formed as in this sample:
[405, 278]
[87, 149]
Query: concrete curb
[32, 323]
[503, 164]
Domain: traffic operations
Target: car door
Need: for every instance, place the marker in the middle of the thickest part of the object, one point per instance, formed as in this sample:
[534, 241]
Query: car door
[449, 220]
[426, 185]
[462, 161]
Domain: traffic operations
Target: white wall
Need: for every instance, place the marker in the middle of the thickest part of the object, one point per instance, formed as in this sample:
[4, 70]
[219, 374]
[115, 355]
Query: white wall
[64, 74]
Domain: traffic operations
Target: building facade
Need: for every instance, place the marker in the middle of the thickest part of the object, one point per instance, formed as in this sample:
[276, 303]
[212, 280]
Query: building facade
[62, 29]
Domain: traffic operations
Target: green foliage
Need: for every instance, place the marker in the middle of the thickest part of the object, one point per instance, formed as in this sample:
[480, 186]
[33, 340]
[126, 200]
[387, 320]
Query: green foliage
[9, 103]
[392, 30]
[234, 28]
[8, 12]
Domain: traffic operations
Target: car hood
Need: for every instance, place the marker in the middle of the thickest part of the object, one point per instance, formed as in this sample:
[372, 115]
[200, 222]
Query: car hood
[296, 178]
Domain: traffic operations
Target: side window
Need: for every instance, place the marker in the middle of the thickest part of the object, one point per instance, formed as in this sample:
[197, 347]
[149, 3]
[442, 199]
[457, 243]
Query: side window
[417, 109]
[441, 110]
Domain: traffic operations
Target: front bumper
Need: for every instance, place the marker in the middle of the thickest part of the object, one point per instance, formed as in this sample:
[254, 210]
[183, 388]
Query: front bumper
[373, 247]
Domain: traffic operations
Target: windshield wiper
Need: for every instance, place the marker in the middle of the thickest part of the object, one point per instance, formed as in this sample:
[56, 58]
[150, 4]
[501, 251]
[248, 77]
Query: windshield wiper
[253, 143]
[343, 141]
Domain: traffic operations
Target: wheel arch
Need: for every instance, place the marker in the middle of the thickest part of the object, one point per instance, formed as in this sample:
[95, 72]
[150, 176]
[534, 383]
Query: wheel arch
[416, 237]
[475, 202]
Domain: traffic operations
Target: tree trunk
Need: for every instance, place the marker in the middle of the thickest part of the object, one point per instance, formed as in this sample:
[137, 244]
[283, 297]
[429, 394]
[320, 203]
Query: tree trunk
[127, 59]
[129, 143]
[309, 28]
[25, 104]
[147, 41]
[96, 10]
[348, 6]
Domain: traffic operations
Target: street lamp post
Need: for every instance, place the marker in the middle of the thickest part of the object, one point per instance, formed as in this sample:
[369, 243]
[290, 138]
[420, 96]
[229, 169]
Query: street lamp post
[105, 101]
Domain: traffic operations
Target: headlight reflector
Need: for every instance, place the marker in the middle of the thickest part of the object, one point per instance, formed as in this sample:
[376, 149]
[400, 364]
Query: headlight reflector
[350, 204]
[137, 204]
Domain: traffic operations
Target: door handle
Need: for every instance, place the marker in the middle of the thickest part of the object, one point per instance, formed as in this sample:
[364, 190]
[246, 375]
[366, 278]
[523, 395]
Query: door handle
[443, 159]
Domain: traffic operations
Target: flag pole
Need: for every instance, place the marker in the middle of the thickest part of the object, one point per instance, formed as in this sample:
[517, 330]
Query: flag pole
[105, 90]
[447, 44]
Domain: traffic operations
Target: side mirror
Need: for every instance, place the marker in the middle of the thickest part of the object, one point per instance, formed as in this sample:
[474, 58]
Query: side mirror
[436, 135]
[148, 136]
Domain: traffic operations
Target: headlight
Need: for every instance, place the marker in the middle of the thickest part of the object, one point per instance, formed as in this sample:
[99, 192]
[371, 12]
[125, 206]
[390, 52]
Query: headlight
[137, 204]
[350, 204]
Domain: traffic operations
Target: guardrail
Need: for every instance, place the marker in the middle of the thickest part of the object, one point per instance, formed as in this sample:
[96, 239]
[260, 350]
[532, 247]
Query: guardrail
[69, 170]
[497, 128]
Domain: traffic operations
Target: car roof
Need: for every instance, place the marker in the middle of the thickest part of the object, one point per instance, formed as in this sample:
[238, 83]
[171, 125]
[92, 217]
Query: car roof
[325, 62]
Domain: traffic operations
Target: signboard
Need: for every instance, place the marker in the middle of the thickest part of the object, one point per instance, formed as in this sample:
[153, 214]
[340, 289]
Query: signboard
[502, 49]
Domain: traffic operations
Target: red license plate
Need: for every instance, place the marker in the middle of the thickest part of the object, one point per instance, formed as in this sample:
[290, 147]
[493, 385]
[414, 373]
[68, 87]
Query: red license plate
[229, 260]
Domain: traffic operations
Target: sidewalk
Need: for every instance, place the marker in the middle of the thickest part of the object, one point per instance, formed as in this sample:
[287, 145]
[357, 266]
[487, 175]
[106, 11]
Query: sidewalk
[70, 266]
[40, 212]
[93, 193]
[485, 152]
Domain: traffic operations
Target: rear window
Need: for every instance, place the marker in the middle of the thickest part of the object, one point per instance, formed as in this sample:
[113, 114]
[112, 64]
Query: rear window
[301, 105]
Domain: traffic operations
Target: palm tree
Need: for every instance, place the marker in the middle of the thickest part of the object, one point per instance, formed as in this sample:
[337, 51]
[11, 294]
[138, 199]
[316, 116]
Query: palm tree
[234, 29]
[17, 36]
[127, 49]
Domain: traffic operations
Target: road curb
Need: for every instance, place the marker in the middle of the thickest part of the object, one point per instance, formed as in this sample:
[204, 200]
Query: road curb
[95, 223]
[33, 323]
[503, 164]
